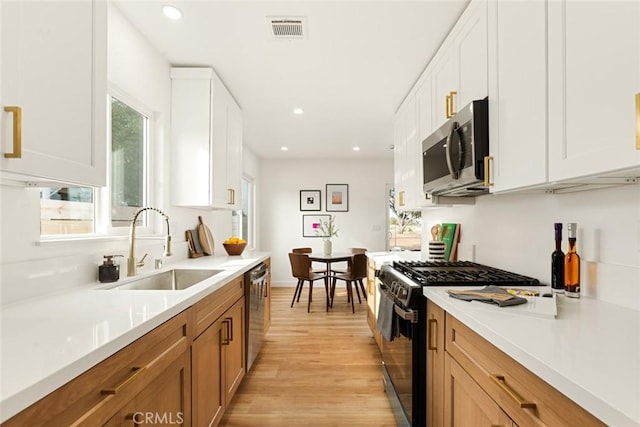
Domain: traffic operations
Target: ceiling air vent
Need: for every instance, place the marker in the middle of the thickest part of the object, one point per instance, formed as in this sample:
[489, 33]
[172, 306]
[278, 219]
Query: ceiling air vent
[287, 28]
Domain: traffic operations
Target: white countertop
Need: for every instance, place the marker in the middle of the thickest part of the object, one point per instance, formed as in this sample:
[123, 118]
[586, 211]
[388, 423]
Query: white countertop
[590, 352]
[382, 258]
[47, 342]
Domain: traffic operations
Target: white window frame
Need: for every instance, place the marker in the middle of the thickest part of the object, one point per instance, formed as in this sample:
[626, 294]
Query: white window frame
[102, 196]
[103, 209]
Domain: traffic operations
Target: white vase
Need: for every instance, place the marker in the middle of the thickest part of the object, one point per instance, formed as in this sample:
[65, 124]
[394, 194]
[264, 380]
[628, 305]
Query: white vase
[327, 247]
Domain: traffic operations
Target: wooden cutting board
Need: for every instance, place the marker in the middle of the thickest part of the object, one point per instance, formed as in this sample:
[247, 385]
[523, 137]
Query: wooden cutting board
[205, 237]
[194, 246]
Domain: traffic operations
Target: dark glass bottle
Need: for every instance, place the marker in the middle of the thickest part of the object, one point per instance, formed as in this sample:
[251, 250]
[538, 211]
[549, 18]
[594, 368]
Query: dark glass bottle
[557, 261]
[572, 264]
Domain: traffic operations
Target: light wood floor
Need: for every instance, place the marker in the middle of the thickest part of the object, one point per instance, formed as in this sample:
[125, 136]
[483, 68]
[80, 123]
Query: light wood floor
[315, 369]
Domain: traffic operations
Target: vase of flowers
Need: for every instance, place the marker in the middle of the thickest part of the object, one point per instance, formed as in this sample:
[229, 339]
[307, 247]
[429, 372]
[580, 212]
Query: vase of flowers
[327, 230]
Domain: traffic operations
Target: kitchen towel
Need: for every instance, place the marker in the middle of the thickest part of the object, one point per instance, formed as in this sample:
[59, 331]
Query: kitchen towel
[387, 321]
[489, 294]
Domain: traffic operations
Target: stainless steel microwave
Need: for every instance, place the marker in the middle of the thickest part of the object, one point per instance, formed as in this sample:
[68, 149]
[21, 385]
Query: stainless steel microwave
[453, 156]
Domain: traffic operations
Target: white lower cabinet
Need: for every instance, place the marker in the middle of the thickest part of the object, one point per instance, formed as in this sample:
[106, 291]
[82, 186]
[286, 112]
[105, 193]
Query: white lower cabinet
[594, 76]
[53, 87]
[206, 128]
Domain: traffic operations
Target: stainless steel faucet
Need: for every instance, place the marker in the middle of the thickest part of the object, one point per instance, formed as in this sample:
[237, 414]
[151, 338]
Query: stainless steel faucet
[132, 264]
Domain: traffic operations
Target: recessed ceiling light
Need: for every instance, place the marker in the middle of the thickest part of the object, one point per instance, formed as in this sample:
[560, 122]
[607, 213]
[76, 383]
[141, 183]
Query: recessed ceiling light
[356, 148]
[284, 148]
[172, 12]
[298, 111]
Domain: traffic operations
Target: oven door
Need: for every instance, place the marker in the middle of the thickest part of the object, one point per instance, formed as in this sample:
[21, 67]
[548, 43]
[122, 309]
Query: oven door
[402, 371]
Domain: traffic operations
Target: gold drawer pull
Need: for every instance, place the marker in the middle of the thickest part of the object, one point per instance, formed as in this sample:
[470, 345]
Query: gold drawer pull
[135, 371]
[17, 133]
[433, 334]
[487, 178]
[500, 382]
[232, 196]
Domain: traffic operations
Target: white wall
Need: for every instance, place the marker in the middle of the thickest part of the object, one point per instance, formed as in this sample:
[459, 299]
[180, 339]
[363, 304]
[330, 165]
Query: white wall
[515, 232]
[280, 221]
[30, 268]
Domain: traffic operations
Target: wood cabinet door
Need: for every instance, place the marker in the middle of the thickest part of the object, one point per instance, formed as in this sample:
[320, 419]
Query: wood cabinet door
[234, 358]
[594, 60]
[207, 375]
[465, 403]
[435, 365]
[54, 67]
[166, 401]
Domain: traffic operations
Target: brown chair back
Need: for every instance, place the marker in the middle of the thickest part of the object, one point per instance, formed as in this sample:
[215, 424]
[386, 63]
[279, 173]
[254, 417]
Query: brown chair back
[300, 265]
[358, 250]
[359, 266]
[301, 250]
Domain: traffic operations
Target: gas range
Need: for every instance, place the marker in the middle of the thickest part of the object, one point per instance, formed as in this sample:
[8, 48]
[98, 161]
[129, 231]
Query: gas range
[460, 273]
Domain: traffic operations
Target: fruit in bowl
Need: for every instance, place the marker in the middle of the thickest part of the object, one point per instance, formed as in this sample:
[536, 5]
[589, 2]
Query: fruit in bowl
[234, 245]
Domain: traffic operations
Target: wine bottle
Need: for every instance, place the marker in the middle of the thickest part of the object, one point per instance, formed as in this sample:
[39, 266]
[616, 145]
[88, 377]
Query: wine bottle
[572, 265]
[557, 262]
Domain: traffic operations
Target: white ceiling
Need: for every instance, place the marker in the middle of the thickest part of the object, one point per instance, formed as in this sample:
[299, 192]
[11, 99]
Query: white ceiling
[349, 75]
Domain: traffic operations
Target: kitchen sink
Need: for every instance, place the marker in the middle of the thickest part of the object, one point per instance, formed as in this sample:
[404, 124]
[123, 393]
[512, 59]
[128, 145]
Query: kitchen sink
[171, 280]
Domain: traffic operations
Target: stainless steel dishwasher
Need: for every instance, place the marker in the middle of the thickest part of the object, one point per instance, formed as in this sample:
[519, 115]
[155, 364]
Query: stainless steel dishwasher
[255, 293]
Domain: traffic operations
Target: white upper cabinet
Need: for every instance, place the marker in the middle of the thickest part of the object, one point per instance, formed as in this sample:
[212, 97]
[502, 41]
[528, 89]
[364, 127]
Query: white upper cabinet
[405, 150]
[460, 66]
[594, 76]
[206, 128]
[53, 84]
[517, 94]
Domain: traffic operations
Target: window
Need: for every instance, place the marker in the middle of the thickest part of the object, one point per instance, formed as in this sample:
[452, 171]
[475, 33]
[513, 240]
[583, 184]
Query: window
[66, 211]
[127, 182]
[405, 227]
[243, 220]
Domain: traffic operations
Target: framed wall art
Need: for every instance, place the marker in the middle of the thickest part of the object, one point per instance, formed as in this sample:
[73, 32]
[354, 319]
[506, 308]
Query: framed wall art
[311, 223]
[310, 200]
[337, 197]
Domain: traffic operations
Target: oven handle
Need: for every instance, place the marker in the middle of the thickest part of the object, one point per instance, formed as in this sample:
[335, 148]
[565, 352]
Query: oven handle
[410, 315]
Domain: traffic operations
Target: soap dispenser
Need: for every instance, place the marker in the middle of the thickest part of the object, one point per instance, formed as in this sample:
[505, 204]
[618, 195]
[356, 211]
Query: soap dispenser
[109, 271]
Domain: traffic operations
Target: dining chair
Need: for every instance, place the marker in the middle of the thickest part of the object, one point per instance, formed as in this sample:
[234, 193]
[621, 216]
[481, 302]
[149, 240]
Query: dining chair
[301, 270]
[308, 251]
[339, 271]
[353, 276]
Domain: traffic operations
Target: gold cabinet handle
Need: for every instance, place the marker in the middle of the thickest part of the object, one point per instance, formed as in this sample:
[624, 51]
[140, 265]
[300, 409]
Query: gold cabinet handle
[638, 121]
[401, 198]
[232, 196]
[499, 380]
[433, 334]
[135, 372]
[487, 178]
[452, 110]
[446, 106]
[17, 133]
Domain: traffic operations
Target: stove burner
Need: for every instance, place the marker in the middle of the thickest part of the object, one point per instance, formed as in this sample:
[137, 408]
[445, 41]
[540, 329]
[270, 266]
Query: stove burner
[448, 273]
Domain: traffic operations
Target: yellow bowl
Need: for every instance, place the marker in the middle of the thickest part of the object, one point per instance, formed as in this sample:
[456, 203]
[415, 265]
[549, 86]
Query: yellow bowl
[234, 248]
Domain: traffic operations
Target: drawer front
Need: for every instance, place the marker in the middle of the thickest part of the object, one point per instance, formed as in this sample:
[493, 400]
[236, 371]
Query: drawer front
[96, 395]
[527, 399]
[211, 307]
